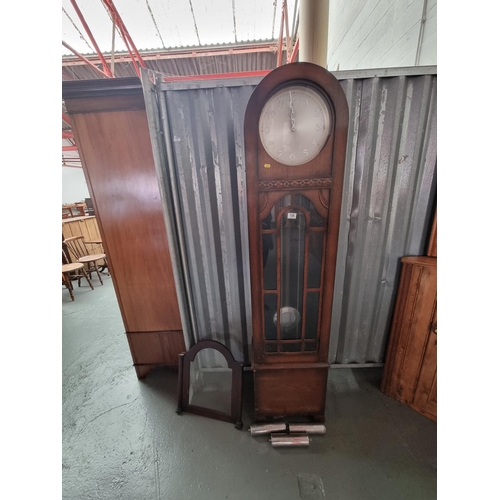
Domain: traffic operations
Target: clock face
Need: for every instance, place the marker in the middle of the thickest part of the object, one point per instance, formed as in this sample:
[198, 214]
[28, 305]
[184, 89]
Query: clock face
[295, 124]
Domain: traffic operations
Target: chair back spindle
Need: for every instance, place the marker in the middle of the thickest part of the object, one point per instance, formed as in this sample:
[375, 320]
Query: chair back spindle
[77, 246]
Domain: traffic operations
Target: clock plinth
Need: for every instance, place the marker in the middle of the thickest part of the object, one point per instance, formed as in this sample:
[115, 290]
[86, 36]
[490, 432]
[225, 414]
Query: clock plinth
[295, 140]
[287, 391]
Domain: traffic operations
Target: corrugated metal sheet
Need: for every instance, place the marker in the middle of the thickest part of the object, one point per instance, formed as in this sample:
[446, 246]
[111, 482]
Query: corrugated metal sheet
[207, 135]
[389, 193]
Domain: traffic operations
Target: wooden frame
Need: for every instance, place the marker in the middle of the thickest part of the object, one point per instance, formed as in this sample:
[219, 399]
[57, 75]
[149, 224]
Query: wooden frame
[410, 371]
[236, 367]
[321, 181]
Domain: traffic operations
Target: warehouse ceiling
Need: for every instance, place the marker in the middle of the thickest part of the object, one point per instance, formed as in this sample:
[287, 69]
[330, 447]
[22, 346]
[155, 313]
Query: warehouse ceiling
[164, 24]
[179, 38]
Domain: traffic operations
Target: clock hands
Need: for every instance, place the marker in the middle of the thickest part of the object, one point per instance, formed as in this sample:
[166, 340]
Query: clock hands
[292, 113]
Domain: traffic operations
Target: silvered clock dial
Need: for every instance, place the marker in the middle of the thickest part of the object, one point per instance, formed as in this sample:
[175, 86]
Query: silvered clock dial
[295, 124]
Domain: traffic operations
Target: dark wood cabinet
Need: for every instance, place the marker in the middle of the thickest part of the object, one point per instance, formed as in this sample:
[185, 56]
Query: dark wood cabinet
[410, 372]
[295, 139]
[111, 131]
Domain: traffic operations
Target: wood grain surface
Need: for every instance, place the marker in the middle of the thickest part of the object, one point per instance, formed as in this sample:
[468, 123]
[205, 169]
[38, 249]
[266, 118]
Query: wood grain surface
[113, 139]
[410, 371]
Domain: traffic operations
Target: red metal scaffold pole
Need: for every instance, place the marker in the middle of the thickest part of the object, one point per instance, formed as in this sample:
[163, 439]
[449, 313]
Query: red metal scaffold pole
[295, 51]
[84, 59]
[280, 40]
[105, 66]
[291, 53]
[132, 49]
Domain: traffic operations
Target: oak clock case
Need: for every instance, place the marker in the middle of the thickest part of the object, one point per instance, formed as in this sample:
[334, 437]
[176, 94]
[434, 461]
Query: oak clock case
[295, 141]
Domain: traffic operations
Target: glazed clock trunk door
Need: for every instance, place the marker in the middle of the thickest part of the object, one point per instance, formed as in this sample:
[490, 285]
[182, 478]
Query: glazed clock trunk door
[292, 237]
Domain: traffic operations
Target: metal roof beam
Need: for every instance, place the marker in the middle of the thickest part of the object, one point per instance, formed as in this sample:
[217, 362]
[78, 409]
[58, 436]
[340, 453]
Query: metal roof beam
[216, 76]
[85, 60]
[181, 53]
[105, 66]
[288, 44]
[234, 21]
[294, 53]
[194, 21]
[291, 52]
[280, 39]
[132, 49]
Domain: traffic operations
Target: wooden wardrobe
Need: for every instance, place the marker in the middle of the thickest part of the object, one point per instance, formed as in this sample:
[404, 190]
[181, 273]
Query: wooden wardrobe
[109, 122]
[410, 372]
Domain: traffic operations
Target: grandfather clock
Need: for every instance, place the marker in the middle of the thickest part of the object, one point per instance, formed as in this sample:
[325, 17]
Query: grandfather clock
[295, 140]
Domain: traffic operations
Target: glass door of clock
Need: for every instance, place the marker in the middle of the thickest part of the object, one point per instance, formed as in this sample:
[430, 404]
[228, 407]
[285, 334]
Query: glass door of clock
[292, 256]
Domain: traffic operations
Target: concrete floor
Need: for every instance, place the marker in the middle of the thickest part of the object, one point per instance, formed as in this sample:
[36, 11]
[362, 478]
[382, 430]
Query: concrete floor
[123, 440]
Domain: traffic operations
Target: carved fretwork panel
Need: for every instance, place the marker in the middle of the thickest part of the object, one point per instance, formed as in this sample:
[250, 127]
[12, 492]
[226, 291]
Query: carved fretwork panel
[319, 198]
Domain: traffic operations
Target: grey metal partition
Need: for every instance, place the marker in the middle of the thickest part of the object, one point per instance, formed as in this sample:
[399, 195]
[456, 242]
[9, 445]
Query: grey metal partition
[389, 196]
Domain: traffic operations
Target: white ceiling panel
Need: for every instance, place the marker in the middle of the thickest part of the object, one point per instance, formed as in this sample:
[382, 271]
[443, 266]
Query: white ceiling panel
[99, 22]
[174, 20]
[139, 23]
[254, 20]
[214, 19]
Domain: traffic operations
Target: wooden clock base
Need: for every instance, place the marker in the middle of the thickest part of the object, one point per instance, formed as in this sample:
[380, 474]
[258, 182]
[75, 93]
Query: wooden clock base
[286, 390]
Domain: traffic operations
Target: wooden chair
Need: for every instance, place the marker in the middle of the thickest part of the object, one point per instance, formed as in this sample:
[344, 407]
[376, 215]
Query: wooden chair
[71, 268]
[77, 247]
[99, 242]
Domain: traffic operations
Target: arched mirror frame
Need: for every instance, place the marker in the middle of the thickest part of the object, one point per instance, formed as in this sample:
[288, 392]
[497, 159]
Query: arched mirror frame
[236, 368]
